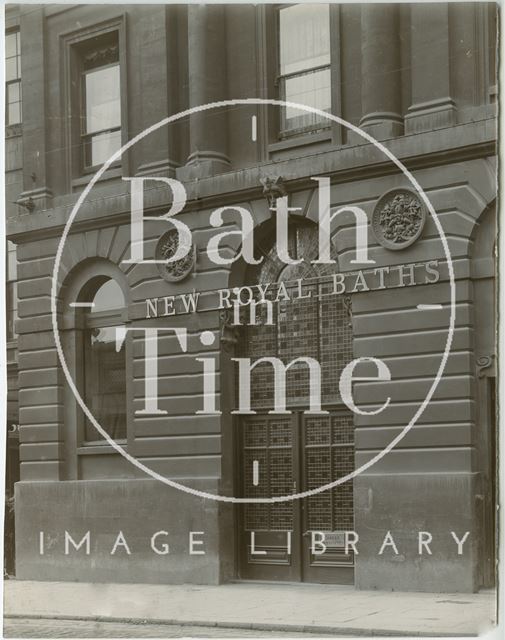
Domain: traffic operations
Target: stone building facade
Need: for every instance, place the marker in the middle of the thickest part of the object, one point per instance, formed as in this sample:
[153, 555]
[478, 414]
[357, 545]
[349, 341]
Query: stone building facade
[421, 79]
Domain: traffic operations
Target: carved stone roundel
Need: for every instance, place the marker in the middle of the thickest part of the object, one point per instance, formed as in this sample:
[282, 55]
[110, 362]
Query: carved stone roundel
[166, 248]
[398, 218]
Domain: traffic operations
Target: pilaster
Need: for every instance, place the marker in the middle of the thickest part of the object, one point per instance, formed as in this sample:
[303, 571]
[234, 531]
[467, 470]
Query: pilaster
[432, 106]
[381, 80]
[158, 81]
[207, 83]
[36, 193]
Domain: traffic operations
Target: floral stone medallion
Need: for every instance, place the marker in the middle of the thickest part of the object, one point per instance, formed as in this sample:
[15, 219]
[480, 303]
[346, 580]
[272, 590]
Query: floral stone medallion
[165, 249]
[398, 218]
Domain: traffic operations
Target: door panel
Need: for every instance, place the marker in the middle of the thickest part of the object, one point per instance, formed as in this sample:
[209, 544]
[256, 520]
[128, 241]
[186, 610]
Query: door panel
[269, 531]
[296, 453]
[328, 454]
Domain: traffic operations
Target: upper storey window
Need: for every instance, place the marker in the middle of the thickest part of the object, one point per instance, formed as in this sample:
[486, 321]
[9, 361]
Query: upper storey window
[101, 99]
[13, 78]
[304, 65]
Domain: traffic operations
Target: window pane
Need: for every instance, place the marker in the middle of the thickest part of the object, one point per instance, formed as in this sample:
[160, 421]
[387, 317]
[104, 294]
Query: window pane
[304, 37]
[103, 108]
[105, 383]
[312, 89]
[13, 101]
[11, 261]
[14, 92]
[11, 69]
[100, 147]
[11, 308]
[100, 51]
[108, 297]
[14, 113]
[11, 44]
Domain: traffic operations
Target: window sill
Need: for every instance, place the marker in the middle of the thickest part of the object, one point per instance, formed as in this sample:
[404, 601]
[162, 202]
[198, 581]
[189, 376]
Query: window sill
[302, 140]
[92, 449]
[110, 174]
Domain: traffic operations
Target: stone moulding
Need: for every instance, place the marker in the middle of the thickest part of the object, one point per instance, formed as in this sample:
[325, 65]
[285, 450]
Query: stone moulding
[180, 269]
[485, 365]
[398, 218]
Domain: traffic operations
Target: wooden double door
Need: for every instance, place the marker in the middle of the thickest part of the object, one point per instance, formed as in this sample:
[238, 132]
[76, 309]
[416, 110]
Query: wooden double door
[298, 540]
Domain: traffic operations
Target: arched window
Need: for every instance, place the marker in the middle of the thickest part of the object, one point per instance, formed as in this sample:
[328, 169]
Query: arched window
[103, 364]
[308, 321]
[94, 303]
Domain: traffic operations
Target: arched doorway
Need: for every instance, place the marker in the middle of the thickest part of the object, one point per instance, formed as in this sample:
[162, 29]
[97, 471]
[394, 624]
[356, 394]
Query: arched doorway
[484, 287]
[283, 454]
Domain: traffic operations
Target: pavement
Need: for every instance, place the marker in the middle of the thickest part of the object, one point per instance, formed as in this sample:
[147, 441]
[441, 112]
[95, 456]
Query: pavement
[246, 606]
[42, 628]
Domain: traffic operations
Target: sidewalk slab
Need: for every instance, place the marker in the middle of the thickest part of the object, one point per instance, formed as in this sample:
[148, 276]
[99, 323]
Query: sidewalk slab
[295, 607]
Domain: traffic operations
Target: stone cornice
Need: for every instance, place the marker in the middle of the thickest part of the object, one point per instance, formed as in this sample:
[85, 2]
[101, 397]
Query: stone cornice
[345, 164]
